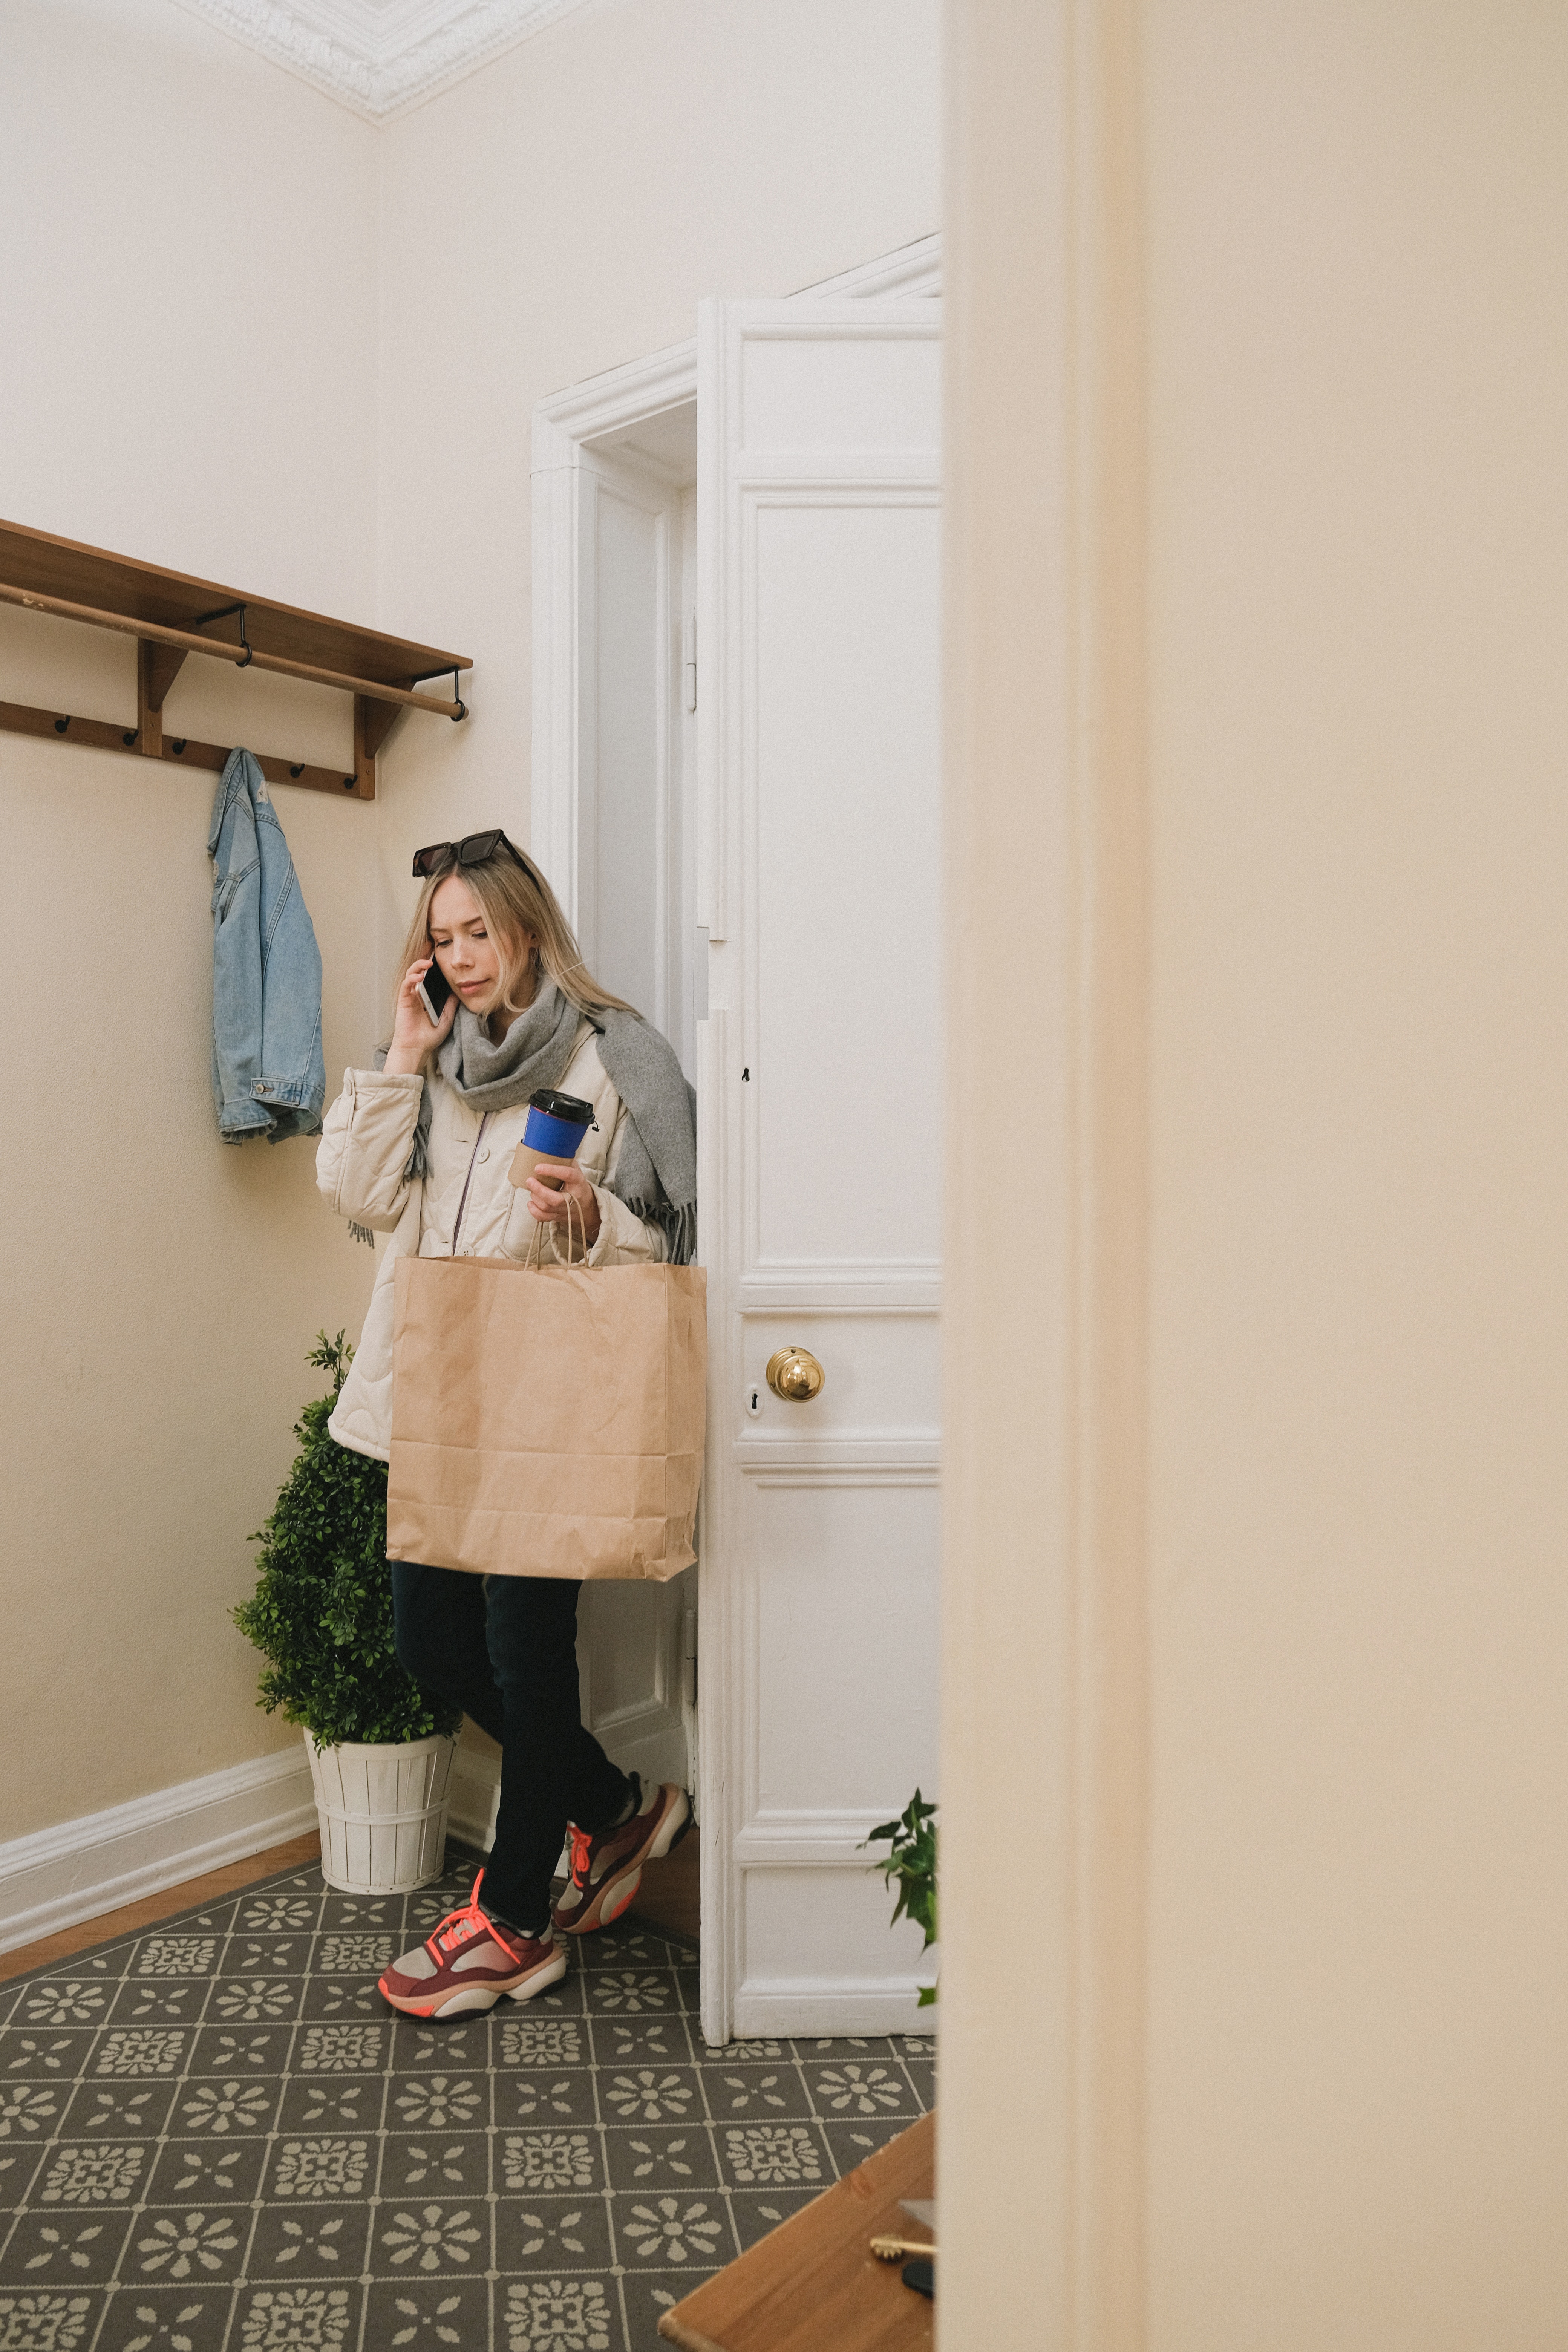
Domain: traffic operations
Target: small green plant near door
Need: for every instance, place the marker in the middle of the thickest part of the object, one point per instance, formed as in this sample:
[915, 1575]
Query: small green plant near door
[910, 1865]
[321, 1610]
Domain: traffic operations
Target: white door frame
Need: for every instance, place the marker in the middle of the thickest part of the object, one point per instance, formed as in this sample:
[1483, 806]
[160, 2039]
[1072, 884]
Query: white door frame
[623, 397]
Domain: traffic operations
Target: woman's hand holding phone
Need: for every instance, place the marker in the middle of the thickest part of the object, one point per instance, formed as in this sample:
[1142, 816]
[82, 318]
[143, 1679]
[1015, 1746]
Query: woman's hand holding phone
[552, 1185]
[412, 1036]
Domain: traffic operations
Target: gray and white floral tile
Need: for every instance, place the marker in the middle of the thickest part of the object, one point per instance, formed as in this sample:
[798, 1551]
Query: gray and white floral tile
[774, 2156]
[537, 2161]
[636, 2041]
[850, 2144]
[41, 2320]
[44, 2056]
[652, 2157]
[166, 2319]
[536, 2233]
[429, 2315]
[546, 2098]
[205, 2171]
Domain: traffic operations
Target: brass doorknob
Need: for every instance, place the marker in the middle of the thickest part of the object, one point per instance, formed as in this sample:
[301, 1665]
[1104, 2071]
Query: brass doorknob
[794, 1374]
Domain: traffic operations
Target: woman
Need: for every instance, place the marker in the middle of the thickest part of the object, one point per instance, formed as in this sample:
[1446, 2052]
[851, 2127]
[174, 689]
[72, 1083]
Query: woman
[420, 1148]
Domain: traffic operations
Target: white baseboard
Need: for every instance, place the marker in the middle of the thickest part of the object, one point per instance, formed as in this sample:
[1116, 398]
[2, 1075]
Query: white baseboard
[831, 2005]
[59, 1876]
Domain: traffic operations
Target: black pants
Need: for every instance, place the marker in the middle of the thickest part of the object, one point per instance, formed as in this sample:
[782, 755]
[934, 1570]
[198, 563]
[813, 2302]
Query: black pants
[504, 1649]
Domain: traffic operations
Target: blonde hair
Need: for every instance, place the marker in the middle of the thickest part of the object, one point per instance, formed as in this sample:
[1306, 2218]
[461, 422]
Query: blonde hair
[516, 901]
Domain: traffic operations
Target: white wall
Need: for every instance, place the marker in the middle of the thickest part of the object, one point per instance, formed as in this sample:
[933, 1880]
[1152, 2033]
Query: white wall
[187, 322]
[565, 210]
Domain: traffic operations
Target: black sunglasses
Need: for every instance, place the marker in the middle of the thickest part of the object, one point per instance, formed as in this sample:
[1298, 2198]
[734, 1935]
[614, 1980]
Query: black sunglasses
[474, 849]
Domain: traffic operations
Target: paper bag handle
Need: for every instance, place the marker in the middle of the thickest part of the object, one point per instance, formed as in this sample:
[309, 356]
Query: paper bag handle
[535, 1252]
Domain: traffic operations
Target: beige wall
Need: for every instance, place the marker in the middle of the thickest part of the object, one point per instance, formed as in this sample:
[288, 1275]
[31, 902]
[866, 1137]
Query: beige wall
[1342, 534]
[1359, 570]
[234, 295]
[175, 384]
[1041, 2125]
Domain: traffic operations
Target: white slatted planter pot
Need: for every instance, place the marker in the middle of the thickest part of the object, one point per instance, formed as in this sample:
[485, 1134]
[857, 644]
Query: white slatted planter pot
[383, 1812]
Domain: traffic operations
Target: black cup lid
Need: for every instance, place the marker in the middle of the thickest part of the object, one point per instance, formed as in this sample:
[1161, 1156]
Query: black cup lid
[570, 1107]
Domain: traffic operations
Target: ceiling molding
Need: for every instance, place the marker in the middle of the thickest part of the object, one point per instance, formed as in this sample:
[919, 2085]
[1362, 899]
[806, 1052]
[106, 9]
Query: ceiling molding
[381, 56]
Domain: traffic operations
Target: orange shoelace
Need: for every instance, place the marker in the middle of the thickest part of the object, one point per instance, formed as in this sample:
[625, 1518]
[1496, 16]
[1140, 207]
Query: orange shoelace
[581, 1842]
[459, 1927]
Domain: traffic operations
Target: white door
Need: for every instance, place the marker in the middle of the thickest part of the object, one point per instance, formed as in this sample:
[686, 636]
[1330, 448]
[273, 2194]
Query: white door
[819, 1118]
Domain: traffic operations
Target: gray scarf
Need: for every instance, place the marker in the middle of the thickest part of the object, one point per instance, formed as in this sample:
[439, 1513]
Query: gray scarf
[656, 1167]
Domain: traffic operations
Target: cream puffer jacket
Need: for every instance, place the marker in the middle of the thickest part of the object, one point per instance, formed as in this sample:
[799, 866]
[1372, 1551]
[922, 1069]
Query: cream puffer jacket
[464, 1206]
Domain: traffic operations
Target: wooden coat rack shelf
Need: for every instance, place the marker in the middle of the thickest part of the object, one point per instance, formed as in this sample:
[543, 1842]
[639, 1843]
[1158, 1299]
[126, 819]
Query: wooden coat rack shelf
[171, 615]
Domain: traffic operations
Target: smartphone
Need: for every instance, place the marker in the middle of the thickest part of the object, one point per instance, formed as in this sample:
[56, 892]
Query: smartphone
[433, 992]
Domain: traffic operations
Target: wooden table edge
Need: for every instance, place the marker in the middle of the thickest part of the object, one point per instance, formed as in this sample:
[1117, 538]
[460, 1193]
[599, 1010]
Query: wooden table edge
[680, 2332]
[686, 2339]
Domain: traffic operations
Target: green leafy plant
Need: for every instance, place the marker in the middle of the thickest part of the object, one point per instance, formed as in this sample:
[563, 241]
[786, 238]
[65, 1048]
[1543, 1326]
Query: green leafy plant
[321, 1610]
[910, 1864]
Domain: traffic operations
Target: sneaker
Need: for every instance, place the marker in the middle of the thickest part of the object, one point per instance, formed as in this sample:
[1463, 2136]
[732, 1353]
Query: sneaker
[468, 1963]
[606, 1864]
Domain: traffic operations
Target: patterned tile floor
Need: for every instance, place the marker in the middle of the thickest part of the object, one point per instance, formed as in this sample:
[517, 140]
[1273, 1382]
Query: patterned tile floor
[215, 2138]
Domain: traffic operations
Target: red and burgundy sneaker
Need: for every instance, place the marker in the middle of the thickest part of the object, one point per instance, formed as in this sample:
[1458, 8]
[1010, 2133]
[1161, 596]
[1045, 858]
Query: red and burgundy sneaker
[468, 1963]
[606, 1864]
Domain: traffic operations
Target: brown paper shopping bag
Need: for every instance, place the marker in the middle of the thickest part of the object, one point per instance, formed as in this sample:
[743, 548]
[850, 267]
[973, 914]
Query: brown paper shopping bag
[547, 1420]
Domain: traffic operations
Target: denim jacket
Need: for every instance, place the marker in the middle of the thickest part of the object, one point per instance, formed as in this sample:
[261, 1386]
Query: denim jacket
[269, 1077]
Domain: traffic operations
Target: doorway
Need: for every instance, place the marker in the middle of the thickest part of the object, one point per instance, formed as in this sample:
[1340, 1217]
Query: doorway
[634, 910]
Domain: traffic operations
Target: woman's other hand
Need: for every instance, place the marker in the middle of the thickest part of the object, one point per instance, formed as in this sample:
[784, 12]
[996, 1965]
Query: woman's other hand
[552, 1185]
[412, 1036]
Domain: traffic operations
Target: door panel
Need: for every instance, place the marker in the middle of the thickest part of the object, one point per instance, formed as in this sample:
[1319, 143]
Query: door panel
[846, 645]
[818, 851]
[805, 393]
[846, 1598]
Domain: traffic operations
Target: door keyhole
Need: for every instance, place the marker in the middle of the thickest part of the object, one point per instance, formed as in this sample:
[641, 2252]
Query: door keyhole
[754, 1402]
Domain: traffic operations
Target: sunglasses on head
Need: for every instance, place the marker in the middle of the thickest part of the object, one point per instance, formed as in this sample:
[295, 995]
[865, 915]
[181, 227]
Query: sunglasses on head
[474, 849]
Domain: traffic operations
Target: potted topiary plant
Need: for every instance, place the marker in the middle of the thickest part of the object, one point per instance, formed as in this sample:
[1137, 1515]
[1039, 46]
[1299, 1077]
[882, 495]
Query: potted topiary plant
[381, 1755]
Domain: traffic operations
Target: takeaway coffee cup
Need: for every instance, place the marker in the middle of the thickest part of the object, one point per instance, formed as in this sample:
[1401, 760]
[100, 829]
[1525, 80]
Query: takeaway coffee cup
[556, 1124]
[555, 1129]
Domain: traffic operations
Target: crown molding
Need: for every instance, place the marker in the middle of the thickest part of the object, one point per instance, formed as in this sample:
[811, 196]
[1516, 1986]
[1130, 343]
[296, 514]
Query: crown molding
[380, 58]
